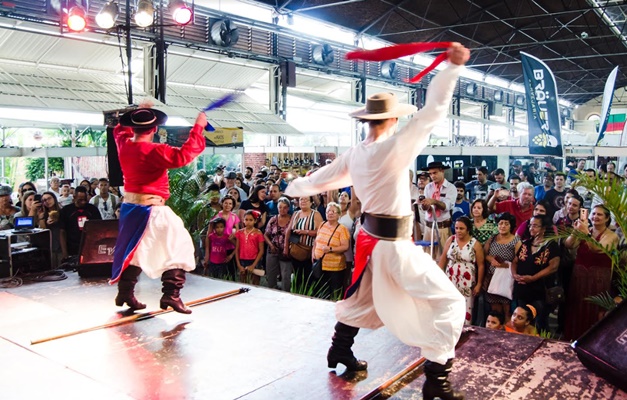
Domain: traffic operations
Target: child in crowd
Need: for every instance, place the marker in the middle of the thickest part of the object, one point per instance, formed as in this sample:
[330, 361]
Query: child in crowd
[116, 210]
[495, 320]
[249, 248]
[216, 257]
[523, 321]
[65, 198]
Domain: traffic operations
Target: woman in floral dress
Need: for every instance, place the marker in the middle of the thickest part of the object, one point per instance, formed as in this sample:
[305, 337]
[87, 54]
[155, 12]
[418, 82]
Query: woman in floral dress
[462, 261]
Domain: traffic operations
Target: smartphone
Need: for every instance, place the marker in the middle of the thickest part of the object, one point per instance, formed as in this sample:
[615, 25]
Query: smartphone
[499, 259]
[583, 215]
[37, 197]
[421, 198]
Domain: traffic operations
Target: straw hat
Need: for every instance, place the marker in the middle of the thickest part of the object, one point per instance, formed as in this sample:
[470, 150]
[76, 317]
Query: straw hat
[383, 106]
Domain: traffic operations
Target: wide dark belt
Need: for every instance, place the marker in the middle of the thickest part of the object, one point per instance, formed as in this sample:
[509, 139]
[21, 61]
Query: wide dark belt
[441, 225]
[387, 227]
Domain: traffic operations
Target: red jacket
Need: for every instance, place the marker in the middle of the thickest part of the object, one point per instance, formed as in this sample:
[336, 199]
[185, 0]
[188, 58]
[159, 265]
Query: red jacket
[145, 164]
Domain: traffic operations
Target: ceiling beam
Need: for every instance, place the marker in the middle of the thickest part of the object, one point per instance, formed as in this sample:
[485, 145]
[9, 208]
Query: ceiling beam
[553, 59]
[543, 42]
[381, 17]
[522, 17]
[339, 3]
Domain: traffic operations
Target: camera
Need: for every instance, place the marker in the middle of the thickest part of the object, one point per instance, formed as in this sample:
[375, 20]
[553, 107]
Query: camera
[421, 198]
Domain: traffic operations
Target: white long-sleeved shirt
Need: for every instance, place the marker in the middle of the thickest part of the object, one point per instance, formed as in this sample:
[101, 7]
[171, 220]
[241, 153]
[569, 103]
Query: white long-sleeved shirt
[378, 170]
[448, 195]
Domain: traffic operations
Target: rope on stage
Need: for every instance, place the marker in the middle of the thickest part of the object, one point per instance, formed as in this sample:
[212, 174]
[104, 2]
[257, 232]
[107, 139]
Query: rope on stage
[143, 316]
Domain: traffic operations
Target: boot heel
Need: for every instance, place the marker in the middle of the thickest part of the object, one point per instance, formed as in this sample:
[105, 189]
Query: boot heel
[177, 305]
[332, 363]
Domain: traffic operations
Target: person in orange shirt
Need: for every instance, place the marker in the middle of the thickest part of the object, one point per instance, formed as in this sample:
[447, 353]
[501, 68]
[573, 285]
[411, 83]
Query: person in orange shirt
[522, 321]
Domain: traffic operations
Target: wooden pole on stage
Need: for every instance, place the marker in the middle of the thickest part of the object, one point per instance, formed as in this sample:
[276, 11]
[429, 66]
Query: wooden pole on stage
[377, 391]
[143, 316]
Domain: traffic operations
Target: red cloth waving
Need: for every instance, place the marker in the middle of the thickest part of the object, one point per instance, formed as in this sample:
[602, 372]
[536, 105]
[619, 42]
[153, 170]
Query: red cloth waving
[402, 50]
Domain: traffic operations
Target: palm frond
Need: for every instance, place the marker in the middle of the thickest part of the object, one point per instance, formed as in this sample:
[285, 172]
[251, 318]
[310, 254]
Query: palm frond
[603, 300]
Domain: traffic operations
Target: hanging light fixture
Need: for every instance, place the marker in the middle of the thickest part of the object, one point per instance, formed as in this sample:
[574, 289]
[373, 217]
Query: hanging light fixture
[76, 19]
[145, 13]
[181, 12]
[108, 15]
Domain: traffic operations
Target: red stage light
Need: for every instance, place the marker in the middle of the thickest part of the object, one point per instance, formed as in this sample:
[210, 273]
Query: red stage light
[76, 19]
[181, 13]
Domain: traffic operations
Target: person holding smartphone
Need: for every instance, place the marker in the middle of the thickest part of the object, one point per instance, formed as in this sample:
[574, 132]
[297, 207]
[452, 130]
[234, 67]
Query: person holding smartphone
[573, 207]
[31, 207]
[591, 272]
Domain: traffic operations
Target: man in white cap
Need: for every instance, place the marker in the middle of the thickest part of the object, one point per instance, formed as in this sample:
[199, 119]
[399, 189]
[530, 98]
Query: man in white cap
[395, 283]
[229, 180]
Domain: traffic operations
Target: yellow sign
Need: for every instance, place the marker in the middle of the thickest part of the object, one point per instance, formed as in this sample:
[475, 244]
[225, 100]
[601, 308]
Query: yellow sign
[226, 136]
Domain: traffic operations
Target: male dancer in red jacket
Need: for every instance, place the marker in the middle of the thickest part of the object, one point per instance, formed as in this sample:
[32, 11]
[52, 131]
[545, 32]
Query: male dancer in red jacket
[151, 237]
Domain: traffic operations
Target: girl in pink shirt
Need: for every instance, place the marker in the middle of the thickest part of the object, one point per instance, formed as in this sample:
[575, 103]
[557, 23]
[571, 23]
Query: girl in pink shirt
[248, 248]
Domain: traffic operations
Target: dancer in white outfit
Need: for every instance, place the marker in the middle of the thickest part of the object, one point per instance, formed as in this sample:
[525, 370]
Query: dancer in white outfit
[395, 283]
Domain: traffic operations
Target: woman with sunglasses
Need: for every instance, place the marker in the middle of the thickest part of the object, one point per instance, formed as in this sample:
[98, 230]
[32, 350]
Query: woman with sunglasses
[23, 188]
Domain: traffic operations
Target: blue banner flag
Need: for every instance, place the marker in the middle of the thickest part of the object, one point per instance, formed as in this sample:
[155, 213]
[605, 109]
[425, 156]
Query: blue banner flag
[543, 117]
[606, 104]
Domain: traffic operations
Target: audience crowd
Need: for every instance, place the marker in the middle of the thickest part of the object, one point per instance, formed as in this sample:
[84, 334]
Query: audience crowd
[60, 208]
[492, 236]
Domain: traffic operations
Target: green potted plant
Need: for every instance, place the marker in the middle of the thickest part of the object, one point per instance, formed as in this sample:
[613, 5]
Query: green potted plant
[190, 200]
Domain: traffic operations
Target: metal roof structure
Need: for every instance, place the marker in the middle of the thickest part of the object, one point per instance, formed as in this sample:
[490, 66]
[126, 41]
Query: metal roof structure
[41, 71]
[580, 40]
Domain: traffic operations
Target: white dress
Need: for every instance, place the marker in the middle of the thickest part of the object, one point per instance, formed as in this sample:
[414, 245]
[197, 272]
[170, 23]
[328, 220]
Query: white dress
[462, 271]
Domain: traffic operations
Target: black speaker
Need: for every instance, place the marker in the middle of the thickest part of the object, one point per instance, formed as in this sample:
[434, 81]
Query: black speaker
[95, 254]
[115, 171]
[288, 73]
[603, 348]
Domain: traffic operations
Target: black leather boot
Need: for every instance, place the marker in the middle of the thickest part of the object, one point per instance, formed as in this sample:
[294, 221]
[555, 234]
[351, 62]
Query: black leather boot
[173, 281]
[437, 383]
[126, 288]
[340, 350]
